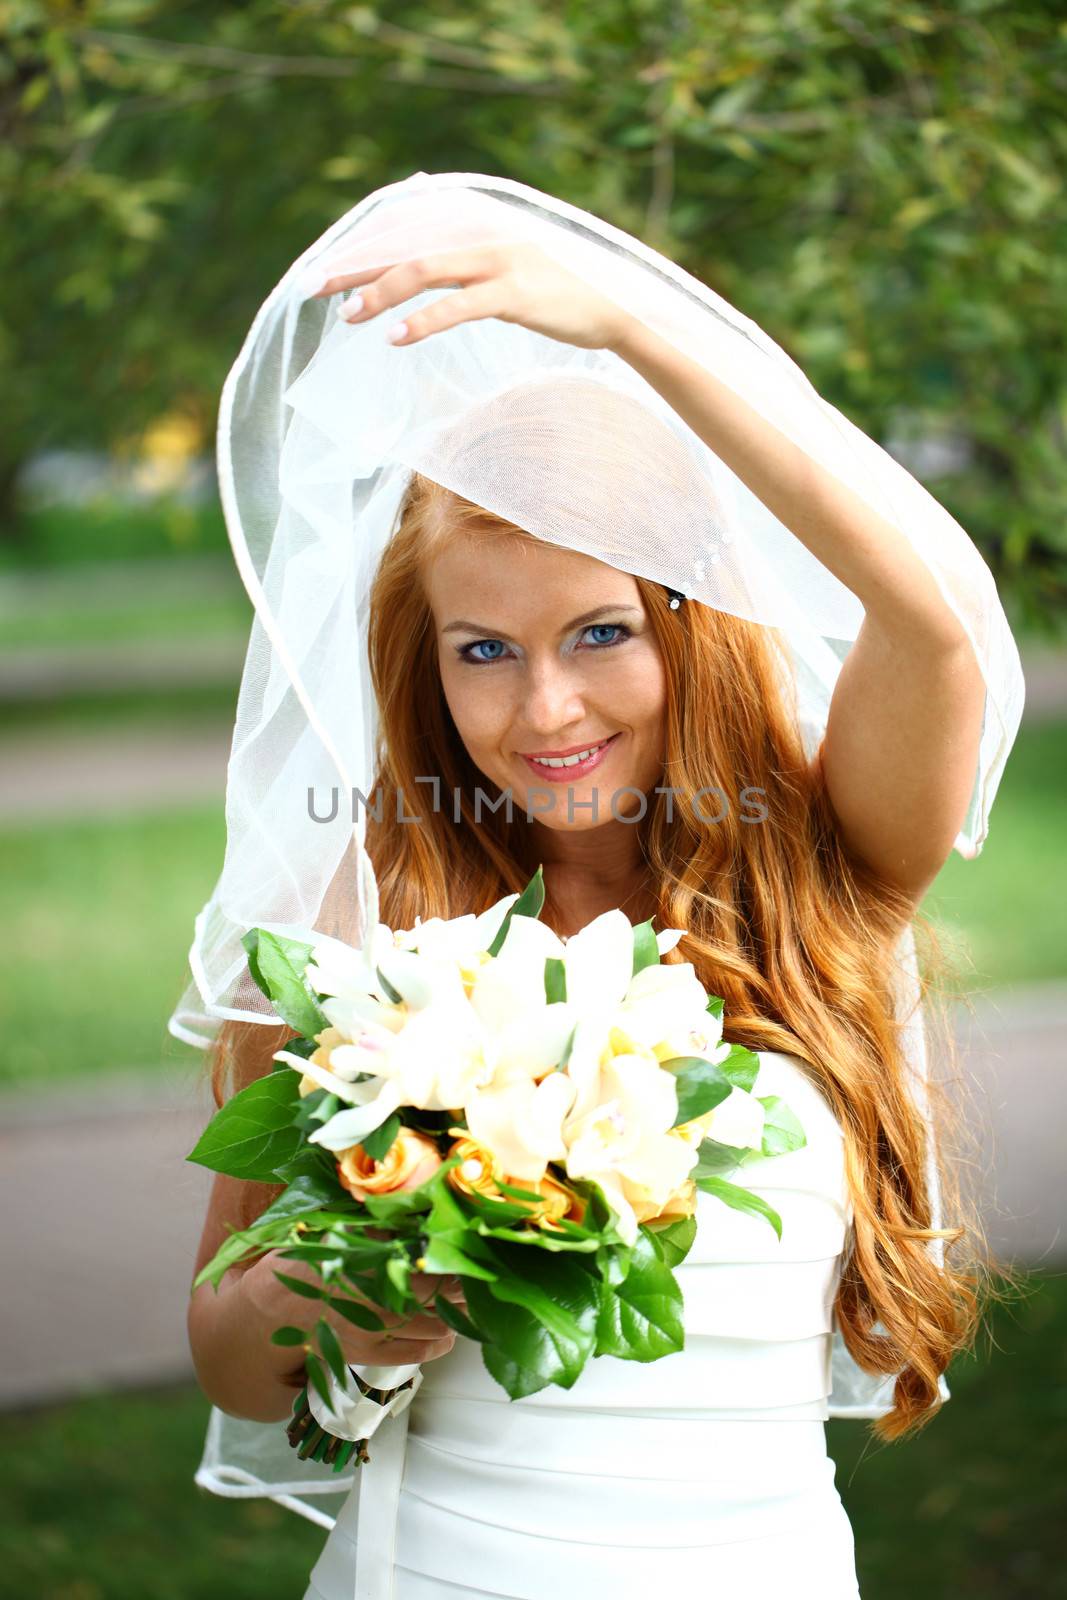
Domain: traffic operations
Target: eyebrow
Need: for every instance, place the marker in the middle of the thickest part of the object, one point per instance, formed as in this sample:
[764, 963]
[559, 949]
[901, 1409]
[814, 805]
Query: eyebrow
[586, 616]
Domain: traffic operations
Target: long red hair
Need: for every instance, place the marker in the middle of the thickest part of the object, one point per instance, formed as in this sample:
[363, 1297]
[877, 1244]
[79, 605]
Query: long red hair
[797, 937]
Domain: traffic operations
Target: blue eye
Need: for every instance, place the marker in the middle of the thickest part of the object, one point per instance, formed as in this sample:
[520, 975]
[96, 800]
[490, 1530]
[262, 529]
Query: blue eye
[617, 628]
[477, 646]
[610, 627]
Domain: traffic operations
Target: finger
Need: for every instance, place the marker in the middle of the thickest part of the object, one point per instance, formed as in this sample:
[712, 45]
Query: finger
[465, 305]
[425, 272]
[473, 297]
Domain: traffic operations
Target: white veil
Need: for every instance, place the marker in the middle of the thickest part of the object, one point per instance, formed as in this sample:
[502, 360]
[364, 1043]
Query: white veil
[321, 425]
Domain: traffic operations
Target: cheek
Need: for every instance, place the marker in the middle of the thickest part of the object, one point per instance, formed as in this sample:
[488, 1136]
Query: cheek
[642, 693]
[477, 710]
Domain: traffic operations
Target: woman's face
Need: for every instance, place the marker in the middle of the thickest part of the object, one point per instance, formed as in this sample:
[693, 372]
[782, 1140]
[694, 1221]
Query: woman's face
[545, 652]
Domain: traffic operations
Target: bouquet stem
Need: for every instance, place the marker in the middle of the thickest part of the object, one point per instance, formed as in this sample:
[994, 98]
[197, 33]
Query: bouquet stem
[313, 1442]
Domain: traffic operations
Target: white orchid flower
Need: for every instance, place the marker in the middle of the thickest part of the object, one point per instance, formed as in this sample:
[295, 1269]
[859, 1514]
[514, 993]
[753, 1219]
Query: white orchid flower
[521, 1122]
[624, 1141]
[599, 961]
[666, 1010]
[514, 982]
[356, 1014]
[459, 939]
[420, 980]
[336, 968]
[351, 1127]
[343, 1088]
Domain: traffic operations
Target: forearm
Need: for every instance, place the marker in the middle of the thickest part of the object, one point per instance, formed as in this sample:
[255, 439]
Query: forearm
[236, 1365]
[868, 554]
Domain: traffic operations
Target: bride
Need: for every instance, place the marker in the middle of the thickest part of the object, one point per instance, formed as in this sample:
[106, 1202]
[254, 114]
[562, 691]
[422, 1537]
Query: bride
[654, 757]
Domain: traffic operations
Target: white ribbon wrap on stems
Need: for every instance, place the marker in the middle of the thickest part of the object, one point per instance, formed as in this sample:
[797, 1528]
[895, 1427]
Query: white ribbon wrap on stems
[354, 1415]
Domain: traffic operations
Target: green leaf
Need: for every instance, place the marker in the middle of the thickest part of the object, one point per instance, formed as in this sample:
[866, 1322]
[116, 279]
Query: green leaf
[701, 1086]
[318, 1106]
[312, 1192]
[300, 1286]
[288, 1336]
[456, 1253]
[528, 904]
[305, 1048]
[646, 950]
[253, 1133]
[356, 1312]
[517, 1193]
[446, 1212]
[715, 1157]
[317, 1374]
[782, 1131]
[450, 1313]
[280, 964]
[640, 1319]
[331, 1349]
[389, 992]
[714, 1005]
[675, 1239]
[379, 1142]
[555, 980]
[741, 1067]
[741, 1200]
[310, 1161]
[539, 1327]
[250, 940]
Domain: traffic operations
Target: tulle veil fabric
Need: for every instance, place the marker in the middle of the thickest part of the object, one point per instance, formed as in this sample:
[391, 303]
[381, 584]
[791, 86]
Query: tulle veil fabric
[320, 427]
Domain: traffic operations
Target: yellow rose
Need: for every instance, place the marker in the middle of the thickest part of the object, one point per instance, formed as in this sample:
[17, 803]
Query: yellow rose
[560, 1203]
[411, 1159]
[477, 1172]
[682, 1203]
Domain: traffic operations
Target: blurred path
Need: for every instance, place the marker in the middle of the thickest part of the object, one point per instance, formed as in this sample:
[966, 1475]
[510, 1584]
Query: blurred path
[98, 1265]
[106, 770]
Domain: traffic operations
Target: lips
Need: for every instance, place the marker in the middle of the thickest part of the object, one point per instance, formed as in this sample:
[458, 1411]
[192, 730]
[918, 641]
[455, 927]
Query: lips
[566, 770]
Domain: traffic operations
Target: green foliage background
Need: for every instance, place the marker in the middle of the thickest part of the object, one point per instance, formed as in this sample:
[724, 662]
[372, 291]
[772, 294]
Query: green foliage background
[879, 185]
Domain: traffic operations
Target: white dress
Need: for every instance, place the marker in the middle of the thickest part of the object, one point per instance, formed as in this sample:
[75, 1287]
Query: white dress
[702, 1474]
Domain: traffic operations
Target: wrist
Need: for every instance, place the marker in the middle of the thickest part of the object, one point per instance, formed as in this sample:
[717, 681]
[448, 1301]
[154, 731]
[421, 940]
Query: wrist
[628, 336]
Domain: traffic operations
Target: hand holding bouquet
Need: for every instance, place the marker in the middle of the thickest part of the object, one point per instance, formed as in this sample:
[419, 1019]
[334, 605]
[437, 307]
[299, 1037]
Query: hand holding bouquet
[480, 1099]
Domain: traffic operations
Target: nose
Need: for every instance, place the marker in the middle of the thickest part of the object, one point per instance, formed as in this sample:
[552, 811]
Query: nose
[552, 701]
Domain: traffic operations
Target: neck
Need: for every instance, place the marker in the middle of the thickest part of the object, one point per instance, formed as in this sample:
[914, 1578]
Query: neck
[589, 872]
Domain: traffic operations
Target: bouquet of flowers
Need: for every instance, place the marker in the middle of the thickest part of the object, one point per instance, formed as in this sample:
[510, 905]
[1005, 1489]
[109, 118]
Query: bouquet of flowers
[479, 1098]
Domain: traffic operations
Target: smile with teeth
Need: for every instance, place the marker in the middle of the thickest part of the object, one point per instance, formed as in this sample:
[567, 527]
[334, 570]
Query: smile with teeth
[569, 761]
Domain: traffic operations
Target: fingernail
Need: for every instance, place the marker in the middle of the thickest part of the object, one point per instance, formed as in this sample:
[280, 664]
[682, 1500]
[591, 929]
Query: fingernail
[350, 307]
[399, 330]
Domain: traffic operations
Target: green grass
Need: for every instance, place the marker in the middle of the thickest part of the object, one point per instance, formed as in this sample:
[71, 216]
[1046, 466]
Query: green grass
[99, 1504]
[103, 529]
[1007, 906]
[101, 915]
[99, 1501]
[59, 625]
[100, 911]
[971, 1506]
[130, 708]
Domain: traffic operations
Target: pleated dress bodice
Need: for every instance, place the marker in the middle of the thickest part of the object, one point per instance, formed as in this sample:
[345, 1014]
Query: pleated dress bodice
[706, 1466]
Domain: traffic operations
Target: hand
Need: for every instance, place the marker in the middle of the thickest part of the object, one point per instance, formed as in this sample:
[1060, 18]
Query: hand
[424, 1337]
[515, 282]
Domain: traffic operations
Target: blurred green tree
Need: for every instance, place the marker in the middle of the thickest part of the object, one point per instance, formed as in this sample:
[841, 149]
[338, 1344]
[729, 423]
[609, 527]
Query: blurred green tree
[878, 185]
